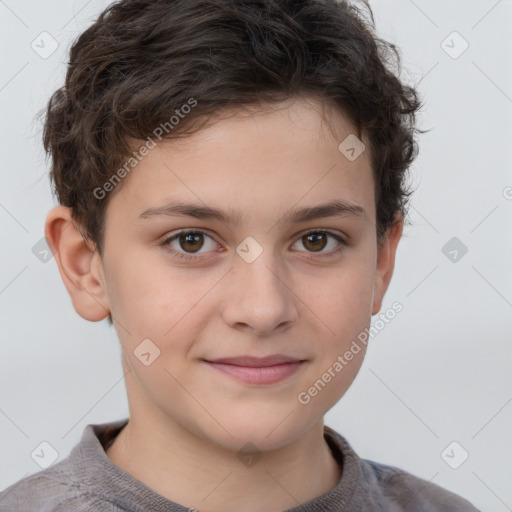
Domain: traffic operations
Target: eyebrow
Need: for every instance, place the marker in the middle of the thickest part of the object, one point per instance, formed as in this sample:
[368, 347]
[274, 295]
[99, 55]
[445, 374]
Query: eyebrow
[335, 208]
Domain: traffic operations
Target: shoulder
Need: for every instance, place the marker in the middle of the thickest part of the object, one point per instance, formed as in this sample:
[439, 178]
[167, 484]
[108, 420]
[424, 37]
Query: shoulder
[51, 490]
[74, 483]
[372, 486]
[390, 484]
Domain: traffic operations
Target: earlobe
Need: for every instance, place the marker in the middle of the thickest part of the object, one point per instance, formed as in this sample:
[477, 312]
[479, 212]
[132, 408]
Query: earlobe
[79, 265]
[386, 252]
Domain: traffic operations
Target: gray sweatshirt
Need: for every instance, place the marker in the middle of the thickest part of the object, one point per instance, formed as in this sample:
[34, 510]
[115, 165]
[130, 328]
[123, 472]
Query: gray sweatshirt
[87, 480]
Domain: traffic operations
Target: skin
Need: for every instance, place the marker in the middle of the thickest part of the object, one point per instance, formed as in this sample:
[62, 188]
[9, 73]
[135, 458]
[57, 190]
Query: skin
[189, 421]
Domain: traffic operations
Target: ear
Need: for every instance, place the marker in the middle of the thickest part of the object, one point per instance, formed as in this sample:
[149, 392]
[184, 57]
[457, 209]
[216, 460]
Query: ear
[79, 265]
[386, 251]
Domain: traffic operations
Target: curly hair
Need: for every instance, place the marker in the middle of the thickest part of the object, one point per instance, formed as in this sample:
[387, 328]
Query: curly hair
[142, 60]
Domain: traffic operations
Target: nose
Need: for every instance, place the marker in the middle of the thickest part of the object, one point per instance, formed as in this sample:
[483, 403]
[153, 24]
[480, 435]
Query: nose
[259, 297]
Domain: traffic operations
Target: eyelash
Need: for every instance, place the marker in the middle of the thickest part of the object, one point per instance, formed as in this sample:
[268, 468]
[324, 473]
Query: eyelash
[189, 257]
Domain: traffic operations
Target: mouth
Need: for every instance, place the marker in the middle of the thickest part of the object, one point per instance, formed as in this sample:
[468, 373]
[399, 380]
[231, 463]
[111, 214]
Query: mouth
[253, 370]
[256, 362]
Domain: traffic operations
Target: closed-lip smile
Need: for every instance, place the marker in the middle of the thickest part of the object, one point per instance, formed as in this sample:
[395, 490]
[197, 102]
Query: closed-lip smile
[256, 361]
[257, 370]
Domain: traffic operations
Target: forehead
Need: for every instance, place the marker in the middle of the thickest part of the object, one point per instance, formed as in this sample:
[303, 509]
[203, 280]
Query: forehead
[244, 160]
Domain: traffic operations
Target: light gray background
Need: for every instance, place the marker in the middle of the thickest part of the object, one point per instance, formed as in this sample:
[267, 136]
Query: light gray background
[439, 372]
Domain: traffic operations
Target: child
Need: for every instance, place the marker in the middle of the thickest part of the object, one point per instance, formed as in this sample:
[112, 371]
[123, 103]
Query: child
[272, 135]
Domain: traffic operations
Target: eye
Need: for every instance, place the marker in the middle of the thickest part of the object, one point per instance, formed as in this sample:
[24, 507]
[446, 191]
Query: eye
[316, 240]
[189, 241]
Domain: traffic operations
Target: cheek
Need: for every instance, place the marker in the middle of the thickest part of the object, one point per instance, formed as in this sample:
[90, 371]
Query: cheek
[343, 300]
[169, 308]
[345, 314]
[343, 307]
[150, 294]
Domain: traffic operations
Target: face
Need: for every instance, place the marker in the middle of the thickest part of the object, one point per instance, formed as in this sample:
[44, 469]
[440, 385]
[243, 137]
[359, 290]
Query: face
[258, 278]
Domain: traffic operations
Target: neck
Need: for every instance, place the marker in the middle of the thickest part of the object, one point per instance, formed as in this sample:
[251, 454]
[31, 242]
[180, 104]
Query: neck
[193, 472]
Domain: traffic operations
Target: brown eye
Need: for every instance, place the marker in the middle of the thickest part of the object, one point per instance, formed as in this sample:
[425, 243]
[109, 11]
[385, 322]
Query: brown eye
[315, 241]
[193, 241]
[186, 244]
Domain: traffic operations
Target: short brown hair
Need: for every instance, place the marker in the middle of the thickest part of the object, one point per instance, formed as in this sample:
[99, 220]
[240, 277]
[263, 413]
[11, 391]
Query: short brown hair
[141, 60]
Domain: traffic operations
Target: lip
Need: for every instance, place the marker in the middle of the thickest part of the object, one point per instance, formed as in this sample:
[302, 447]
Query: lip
[257, 362]
[254, 370]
